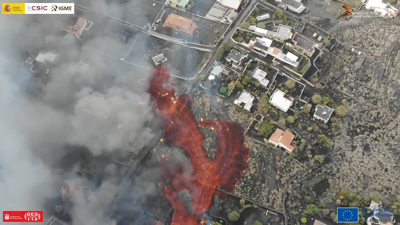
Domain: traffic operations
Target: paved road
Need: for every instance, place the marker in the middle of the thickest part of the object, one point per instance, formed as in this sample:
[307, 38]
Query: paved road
[243, 15]
[139, 159]
[148, 31]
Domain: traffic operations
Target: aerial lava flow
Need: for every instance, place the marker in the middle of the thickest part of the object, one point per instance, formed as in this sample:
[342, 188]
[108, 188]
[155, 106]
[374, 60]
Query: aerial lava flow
[182, 129]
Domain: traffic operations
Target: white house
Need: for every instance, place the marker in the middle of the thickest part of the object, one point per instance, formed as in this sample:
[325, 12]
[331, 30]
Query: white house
[280, 100]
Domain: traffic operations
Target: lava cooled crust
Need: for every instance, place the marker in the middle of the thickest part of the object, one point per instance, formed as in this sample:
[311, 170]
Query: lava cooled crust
[182, 129]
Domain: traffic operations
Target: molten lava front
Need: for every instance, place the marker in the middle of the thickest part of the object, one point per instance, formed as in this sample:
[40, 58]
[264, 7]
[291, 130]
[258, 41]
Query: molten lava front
[182, 129]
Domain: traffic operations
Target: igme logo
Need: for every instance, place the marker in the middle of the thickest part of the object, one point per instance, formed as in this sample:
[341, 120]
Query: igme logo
[55, 8]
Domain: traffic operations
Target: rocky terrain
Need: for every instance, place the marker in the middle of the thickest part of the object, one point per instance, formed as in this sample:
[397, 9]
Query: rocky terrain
[364, 159]
[267, 179]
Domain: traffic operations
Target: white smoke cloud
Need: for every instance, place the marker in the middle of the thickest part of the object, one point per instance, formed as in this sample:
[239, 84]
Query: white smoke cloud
[98, 109]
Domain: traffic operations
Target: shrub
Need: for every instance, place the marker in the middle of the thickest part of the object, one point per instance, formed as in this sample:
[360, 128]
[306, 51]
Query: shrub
[303, 220]
[341, 110]
[312, 209]
[320, 158]
[290, 83]
[307, 108]
[290, 119]
[282, 122]
[257, 223]
[265, 128]
[233, 216]
[316, 98]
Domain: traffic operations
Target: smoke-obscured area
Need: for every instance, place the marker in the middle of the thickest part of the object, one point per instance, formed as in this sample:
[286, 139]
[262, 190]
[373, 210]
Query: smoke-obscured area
[98, 110]
[186, 199]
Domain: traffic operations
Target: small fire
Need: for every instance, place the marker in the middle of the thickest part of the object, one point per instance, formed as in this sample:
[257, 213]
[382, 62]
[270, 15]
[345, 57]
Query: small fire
[173, 100]
[203, 222]
[218, 100]
[212, 128]
[162, 139]
[142, 102]
[163, 156]
[201, 119]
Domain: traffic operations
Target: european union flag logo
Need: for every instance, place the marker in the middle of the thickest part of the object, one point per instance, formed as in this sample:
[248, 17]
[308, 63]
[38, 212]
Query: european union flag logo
[347, 215]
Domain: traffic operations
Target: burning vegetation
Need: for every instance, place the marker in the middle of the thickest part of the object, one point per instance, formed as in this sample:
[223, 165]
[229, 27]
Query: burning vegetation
[191, 196]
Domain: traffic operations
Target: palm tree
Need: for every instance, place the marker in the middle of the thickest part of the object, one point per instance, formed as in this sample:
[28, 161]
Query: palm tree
[341, 110]
[290, 83]
[316, 98]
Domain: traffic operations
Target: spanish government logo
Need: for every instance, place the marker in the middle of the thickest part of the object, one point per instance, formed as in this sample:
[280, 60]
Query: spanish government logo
[7, 8]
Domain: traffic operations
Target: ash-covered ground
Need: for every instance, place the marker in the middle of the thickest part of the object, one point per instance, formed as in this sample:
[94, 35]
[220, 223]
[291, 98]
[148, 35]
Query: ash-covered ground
[366, 152]
[269, 170]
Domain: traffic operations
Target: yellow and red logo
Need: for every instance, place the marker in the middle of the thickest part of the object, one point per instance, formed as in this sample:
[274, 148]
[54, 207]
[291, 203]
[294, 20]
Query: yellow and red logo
[13, 8]
[7, 8]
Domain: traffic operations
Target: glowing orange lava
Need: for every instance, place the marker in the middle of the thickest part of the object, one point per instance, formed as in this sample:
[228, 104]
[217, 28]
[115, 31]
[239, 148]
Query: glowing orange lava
[182, 129]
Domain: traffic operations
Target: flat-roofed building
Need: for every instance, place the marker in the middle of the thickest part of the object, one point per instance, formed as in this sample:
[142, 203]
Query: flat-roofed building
[280, 100]
[260, 75]
[284, 32]
[178, 3]
[231, 4]
[306, 45]
[245, 100]
[180, 23]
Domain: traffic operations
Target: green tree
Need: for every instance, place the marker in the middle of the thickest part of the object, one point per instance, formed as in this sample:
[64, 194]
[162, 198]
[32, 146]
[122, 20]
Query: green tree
[320, 158]
[327, 41]
[282, 122]
[202, 77]
[396, 207]
[324, 140]
[225, 47]
[252, 20]
[343, 194]
[280, 15]
[233, 216]
[290, 83]
[341, 110]
[239, 39]
[326, 100]
[257, 223]
[265, 128]
[316, 98]
[307, 108]
[239, 85]
[290, 119]
[312, 209]
[303, 220]
[242, 202]
[256, 11]
[216, 223]
[246, 80]
[245, 25]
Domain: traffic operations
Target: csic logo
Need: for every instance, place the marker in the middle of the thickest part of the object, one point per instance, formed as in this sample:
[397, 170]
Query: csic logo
[54, 8]
[7, 8]
[32, 216]
[37, 8]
